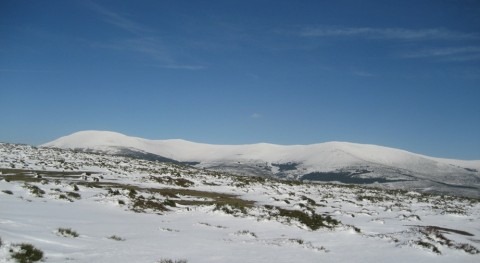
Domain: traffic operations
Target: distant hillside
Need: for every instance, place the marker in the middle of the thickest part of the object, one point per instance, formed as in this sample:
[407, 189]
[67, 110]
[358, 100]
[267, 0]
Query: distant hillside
[331, 161]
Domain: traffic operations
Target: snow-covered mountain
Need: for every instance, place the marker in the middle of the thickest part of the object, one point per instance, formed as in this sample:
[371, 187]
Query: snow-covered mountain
[330, 161]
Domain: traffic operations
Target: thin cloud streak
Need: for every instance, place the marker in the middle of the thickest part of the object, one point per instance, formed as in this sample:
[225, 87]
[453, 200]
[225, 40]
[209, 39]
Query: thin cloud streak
[118, 20]
[451, 54]
[149, 47]
[146, 42]
[385, 33]
[188, 67]
[256, 116]
[152, 47]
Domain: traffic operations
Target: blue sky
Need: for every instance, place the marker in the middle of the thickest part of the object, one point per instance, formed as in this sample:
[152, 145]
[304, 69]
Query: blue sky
[403, 74]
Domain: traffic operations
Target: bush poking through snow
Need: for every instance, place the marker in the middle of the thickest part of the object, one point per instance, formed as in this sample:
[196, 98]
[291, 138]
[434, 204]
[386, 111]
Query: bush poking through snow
[116, 238]
[427, 245]
[34, 190]
[132, 193]
[182, 182]
[74, 195]
[231, 209]
[8, 192]
[140, 205]
[358, 230]
[246, 233]
[26, 253]
[166, 260]
[67, 232]
[297, 240]
[434, 234]
[64, 197]
[309, 200]
[113, 192]
[313, 221]
[169, 202]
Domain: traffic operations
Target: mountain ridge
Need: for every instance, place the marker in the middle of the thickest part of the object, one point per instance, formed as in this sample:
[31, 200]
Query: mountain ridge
[93, 137]
[330, 161]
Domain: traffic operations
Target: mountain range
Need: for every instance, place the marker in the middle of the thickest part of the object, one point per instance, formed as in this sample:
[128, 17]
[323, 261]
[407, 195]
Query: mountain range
[324, 162]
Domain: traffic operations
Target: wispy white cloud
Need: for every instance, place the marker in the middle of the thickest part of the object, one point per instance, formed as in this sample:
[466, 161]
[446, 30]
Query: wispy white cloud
[145, 40]
[188, 67]
[256, 115]
[451, 53]
[438, 36]
[253, 76]
[151, 47]
[385, 33]
[118, 20]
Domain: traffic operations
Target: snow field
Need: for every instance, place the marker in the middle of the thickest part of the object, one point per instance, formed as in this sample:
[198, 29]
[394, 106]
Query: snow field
[393, 225]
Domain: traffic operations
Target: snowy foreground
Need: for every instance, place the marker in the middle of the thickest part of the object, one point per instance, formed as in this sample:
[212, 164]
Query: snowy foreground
[79, 207]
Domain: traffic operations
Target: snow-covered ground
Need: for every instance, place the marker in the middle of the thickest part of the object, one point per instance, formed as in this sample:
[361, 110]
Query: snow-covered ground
[128, 210]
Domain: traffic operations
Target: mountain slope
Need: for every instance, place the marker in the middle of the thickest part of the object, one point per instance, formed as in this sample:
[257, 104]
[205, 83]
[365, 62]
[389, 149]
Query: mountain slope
[331, 161]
